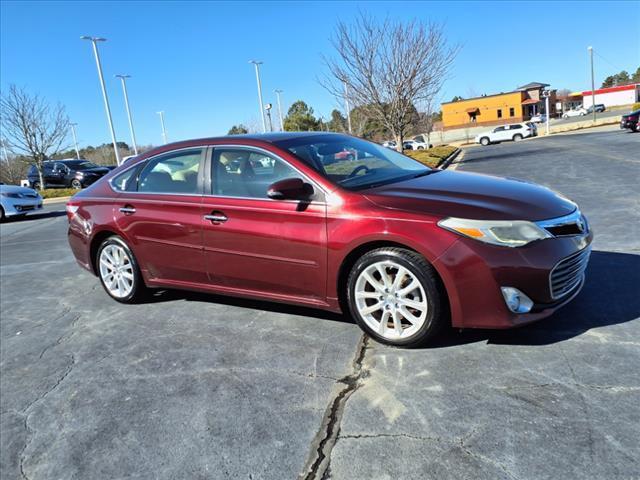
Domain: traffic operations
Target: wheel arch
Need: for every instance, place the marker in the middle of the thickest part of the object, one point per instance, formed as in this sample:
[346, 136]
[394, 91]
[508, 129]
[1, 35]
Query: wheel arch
[358, 251]
[97, 239]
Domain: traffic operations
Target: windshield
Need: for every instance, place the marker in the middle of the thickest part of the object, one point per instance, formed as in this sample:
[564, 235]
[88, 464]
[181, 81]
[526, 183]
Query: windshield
[80, 165]
[351, 162]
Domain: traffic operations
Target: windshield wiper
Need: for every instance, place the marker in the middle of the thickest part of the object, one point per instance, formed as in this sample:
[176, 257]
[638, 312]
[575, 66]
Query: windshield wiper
[425, 173]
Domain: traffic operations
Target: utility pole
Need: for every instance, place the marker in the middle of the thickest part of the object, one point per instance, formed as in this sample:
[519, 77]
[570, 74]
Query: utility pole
[94, 41]
[164, 132]
[593, 85]
[75, 139]
[278, 92]
[268, 108]
[346, 104]
[126, 104]
[546, 94]
[257, 65]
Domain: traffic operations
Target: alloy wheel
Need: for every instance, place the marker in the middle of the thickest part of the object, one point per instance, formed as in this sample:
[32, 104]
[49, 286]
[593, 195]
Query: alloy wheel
[391, 300]
[116, 270]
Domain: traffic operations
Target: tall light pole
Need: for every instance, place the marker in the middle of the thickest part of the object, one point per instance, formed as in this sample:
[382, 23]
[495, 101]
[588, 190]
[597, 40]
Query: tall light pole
[94, 42]
[257, 65]
[546, 94]
[126, 104]
[278, 92]
[164, 132]
[593, 85]
[75, 139]
[346, 105]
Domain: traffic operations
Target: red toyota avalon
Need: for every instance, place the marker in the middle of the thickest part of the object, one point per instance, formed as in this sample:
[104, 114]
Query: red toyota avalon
[288, 217]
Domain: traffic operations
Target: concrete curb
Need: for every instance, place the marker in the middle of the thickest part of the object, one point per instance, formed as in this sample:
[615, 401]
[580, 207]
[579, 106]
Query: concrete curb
[445, 162]
[55, 200]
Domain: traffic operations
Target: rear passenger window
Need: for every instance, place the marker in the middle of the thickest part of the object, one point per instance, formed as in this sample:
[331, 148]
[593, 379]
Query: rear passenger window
[172, 173]
[515, 127]
[121, 182]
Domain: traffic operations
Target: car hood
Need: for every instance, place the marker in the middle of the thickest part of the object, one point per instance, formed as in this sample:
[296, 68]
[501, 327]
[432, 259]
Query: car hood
[475, 196]
[17, 189]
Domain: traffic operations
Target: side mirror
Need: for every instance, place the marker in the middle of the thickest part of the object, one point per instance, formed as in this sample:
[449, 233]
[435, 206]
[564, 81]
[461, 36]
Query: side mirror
[290, 189]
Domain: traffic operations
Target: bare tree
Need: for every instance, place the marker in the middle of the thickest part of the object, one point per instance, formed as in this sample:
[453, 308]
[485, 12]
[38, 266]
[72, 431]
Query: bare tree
[32, 126]
[389, 67]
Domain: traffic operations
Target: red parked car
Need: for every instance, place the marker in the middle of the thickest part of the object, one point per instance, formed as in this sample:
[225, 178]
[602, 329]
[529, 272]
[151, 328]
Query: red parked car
[405, 249]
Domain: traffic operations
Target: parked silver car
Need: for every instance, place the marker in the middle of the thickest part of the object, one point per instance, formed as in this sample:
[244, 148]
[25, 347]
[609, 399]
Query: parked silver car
[18, 201]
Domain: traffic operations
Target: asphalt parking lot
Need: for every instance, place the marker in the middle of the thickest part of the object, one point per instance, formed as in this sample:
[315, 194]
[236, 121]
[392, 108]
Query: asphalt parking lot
[199, 386]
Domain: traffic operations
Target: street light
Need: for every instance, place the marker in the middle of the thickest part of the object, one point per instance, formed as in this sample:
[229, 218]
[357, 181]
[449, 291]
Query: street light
[164, 132]
[593, 86]
[126, 104]
[94, 41]
[75, 139]
[546, 94]
[257, 64]
[346, 104]
[278, 92]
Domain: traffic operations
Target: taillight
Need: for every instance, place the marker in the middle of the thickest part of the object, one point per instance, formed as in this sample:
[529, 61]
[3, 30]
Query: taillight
[71, 209]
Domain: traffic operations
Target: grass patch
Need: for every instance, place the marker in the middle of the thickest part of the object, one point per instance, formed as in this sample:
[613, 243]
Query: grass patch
[432, 156]
[57, 192]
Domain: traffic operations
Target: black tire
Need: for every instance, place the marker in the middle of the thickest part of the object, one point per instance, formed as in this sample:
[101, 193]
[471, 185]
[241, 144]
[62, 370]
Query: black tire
[139, 290]
[36, 185]
[2, 215]
[484, 141]
[437, 311]
[517, 137]
[77, 184]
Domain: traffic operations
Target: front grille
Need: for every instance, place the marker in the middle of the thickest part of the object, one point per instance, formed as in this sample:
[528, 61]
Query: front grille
[568, 273]
[569, 225]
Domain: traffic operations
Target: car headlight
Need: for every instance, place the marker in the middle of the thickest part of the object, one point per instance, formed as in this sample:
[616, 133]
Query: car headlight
[79, 174]
[506, 233]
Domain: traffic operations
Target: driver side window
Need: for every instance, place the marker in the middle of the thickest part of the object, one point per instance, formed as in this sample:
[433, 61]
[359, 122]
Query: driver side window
[241, 172]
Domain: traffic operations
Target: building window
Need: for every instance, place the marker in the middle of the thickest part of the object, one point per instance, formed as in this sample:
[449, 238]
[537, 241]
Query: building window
[499, 113]
[512, 112]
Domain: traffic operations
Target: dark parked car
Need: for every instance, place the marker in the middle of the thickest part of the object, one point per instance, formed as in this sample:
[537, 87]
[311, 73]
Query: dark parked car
[599, 108]
[67, 174]
[630, 121]
[405, 249]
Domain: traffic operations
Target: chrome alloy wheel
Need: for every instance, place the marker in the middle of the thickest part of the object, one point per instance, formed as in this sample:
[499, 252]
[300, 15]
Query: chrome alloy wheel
[116, 270]
[391, 300]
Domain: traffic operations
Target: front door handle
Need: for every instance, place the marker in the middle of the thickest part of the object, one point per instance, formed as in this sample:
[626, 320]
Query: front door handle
[216, 217]
[128, 210]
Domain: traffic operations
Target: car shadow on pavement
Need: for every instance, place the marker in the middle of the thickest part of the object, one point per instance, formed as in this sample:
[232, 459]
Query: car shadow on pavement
[35, 216]
[611, 296]
[469, 159]
[190, 296]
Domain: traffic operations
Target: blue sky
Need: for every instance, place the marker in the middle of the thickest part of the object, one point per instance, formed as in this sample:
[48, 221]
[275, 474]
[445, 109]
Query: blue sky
[190, 58]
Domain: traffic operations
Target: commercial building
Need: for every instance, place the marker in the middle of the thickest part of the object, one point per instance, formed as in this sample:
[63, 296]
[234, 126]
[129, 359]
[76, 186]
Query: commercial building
[612, 96]
[510, 107]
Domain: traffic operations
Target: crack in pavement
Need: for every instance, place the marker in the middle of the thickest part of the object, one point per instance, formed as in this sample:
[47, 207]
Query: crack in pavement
[317, 465]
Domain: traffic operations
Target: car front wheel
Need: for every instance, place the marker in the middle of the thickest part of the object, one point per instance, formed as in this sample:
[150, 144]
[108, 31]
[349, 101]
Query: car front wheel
[395, 297]
[119, 272]
[77, 184]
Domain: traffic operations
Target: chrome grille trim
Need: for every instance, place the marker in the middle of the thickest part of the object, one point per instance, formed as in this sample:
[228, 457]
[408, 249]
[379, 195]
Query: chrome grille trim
[574, 219]
[568, 273]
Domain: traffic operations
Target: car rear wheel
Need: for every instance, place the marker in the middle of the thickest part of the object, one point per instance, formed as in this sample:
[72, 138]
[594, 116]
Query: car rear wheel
[2, 215]
[119, 271]
[484, 141]
[517, 137]
[395, 297]
[77, 184]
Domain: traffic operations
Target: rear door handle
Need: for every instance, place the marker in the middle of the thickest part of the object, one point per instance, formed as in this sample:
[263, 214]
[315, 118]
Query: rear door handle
[216, 217]
[128, 210]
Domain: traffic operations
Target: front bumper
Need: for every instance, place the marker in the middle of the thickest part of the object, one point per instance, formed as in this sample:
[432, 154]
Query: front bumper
[21, 206]
[473, 274]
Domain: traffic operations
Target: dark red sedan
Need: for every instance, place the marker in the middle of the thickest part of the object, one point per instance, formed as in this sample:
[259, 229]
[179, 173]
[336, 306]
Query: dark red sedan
[403, 248]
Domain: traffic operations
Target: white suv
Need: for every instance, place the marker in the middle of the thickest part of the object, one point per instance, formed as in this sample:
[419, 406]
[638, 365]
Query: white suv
[515, 132]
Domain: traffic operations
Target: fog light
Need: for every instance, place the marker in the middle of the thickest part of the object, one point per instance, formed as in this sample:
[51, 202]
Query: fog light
[18, 208]
[516, 301]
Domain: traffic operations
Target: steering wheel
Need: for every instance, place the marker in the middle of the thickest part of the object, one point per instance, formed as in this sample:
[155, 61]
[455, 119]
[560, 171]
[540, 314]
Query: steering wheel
[357, 170]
